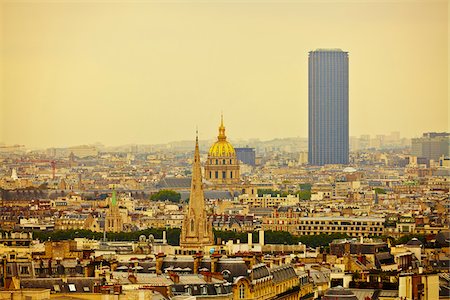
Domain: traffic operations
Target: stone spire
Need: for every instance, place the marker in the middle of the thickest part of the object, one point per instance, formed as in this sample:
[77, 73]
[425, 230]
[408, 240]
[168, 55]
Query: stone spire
[196, 231]
[113, 218]
[114, 198]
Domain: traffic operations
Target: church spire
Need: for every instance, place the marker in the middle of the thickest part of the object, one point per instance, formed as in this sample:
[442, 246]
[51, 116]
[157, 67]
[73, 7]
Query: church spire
[114, 198]
[196, 198]
[197, 229]
[222, 136]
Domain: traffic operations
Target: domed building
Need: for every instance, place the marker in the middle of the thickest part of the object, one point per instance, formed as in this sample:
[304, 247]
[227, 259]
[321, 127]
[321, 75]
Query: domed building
[222, 165]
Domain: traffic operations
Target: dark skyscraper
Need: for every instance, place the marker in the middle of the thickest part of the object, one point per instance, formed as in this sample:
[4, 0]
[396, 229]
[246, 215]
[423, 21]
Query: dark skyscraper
[246, 155]
[328, 140]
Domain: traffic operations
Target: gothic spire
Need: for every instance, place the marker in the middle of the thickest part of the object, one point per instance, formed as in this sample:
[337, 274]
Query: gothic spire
[196, 199]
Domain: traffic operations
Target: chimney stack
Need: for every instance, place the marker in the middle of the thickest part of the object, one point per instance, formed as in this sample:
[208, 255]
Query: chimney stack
[261, 237]
[159, 263]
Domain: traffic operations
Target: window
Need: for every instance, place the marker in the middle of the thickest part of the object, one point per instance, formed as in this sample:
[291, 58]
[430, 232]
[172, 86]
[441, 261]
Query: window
[188, 289]
[242, 291]
[217, 174]
[231, 174]
[218, 290]
[192, 225]
[224, 174]
[56, 288]
[72, 288]
[204, 290]
[223, 162]
[24, 270]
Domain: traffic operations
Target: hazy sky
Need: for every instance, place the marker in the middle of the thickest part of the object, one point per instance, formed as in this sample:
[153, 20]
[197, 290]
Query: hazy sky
[117, 72]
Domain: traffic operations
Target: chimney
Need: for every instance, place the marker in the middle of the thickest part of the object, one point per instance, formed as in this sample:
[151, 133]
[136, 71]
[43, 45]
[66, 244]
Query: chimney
[174, 277]
[207, 276]
[214, 260]
[261, 237]
[249, 240]
[159, 262]
[164, 238]
[197, 260]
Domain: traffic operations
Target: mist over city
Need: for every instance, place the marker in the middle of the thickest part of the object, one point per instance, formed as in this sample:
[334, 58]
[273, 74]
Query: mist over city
[224, 150]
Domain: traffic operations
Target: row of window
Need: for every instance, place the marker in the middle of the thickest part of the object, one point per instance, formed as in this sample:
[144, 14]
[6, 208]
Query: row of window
[340, 228]
[222, 162]
[216, 174]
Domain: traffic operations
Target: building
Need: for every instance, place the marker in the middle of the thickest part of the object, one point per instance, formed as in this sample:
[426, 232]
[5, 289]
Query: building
[432, 145]
[293, 220]
[246, 155]
[269, 201]
[328, 135]
[113, 220]
[196, 231]
[222, 165]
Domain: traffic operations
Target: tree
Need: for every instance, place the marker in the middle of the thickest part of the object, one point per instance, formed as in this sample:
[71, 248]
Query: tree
[304, 194]
[164, 195]
[273, 193]
[305, 186]
[380, 191]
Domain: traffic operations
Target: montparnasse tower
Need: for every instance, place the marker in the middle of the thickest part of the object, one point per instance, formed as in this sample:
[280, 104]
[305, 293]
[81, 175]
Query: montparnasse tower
[196, 231]
[222, 165]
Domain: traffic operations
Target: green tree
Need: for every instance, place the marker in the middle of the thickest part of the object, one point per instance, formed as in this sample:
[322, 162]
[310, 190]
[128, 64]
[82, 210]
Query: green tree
[380, 191]
[273, 193]
[305, 186]
[406, 238]
[164, 195]
[304, 194]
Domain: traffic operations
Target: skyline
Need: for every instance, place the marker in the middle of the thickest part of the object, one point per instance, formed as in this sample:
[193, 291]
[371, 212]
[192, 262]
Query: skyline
[150, 73]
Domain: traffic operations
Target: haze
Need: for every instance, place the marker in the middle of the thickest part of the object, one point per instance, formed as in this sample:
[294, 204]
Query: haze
[118, 72]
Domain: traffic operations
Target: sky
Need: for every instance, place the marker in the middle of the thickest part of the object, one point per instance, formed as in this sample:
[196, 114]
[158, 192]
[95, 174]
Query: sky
[148, 72]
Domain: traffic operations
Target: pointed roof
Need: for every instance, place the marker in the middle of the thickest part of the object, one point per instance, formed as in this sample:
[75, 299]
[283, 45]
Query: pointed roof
[196, 198]
[221, 136]
[113, 198]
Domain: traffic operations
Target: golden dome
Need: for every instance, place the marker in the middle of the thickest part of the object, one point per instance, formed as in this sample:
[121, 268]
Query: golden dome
[222, 147]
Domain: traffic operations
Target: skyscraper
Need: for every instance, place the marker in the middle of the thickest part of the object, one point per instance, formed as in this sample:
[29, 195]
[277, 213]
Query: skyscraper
[328, 138]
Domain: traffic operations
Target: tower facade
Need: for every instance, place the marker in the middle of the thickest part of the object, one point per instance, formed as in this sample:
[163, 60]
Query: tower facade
[328, 136]
[113, 219]
[222, 165]
[196, 231]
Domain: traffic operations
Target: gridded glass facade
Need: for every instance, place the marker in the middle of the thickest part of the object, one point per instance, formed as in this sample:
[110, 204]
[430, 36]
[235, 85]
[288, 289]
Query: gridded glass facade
[328, 141]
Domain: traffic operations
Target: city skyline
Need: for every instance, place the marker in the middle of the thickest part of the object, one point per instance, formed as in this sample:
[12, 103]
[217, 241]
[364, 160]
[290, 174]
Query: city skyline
[149, 72]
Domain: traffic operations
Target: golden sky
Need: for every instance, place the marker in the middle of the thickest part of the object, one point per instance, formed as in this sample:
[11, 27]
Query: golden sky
[117, 72]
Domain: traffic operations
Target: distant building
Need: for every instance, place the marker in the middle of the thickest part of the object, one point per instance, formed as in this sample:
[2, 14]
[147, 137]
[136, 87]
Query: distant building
[292, 219]
[432, 145]
[113, 220]
[328, 137]
[222, 165]
[246, 155]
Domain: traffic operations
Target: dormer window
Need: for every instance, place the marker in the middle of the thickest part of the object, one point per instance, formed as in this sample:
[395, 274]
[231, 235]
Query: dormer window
[204, 290]
[188, 289]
